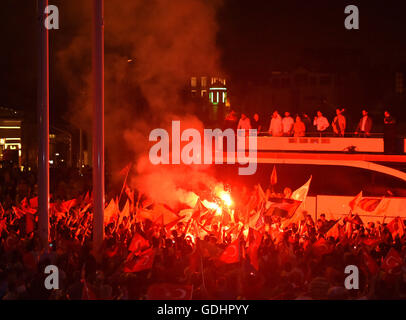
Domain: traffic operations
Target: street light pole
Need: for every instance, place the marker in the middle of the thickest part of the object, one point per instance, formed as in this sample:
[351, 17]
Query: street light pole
[98, 124]
[43, 124]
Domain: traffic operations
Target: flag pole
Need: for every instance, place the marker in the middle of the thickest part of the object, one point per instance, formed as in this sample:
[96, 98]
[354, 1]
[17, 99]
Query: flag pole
[98, 124]
[43, 125]
[125, 182]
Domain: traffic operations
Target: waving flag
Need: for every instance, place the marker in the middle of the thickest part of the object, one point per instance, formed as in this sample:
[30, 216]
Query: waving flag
[138, 243]
[169, 291]
[273, 177]
[143, 262]
[125, 212]
[159, 214]
[369, 206]
[353, 203]
[232, 253]
[393, 262]
[198, 210]
[370, 263]
[396, 227]
[110, 212]
[301, 193]
[67, 205]
[281, 207]
[254, 240]
[335, 231]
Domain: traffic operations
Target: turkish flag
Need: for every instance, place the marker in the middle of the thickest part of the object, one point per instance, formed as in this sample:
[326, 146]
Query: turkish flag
[254, 239]
[231, 254]
[169, 291]
[322, 247]
[396, 227]
[353, 203]
[370, 263]
[143, 262]
[334, 231]
[392, 262]
[138, 243]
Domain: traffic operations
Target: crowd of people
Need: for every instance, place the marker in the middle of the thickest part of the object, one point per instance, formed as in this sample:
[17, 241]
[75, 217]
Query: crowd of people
[302, 125]
[151, 251]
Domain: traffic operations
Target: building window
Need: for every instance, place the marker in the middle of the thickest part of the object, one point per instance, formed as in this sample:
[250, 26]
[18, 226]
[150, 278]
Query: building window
[193, 82]
[203, 93]
[204, 82]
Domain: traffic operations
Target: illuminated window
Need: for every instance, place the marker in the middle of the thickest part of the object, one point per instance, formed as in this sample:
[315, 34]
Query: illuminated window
[203, 93]
[204, 82]
[193, 82]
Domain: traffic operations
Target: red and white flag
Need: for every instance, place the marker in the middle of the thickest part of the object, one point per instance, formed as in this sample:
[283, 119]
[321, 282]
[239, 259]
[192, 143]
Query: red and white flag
[370, 263]
[138, 243]
[392, 262]
[300, 194]
[232, 253]
[143, 262]
[254, 240]
[396, 227]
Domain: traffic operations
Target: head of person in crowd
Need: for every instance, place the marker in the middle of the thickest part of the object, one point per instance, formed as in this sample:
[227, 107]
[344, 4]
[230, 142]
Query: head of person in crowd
[243, 116]
[256, 117]
[287, 192]
[287, 114]
[364, 113]
[319, 114]
[275, 114]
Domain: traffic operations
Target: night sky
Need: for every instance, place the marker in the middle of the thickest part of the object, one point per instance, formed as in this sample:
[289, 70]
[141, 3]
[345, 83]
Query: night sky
[254, 38]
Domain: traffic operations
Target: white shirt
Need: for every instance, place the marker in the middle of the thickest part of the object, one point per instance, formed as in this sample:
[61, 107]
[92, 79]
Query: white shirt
[275, 128]
[287, 124]
[321, 123]
[244, 124]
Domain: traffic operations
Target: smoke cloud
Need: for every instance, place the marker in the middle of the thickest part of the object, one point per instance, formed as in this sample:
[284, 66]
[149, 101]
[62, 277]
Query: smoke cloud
[152, 48]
